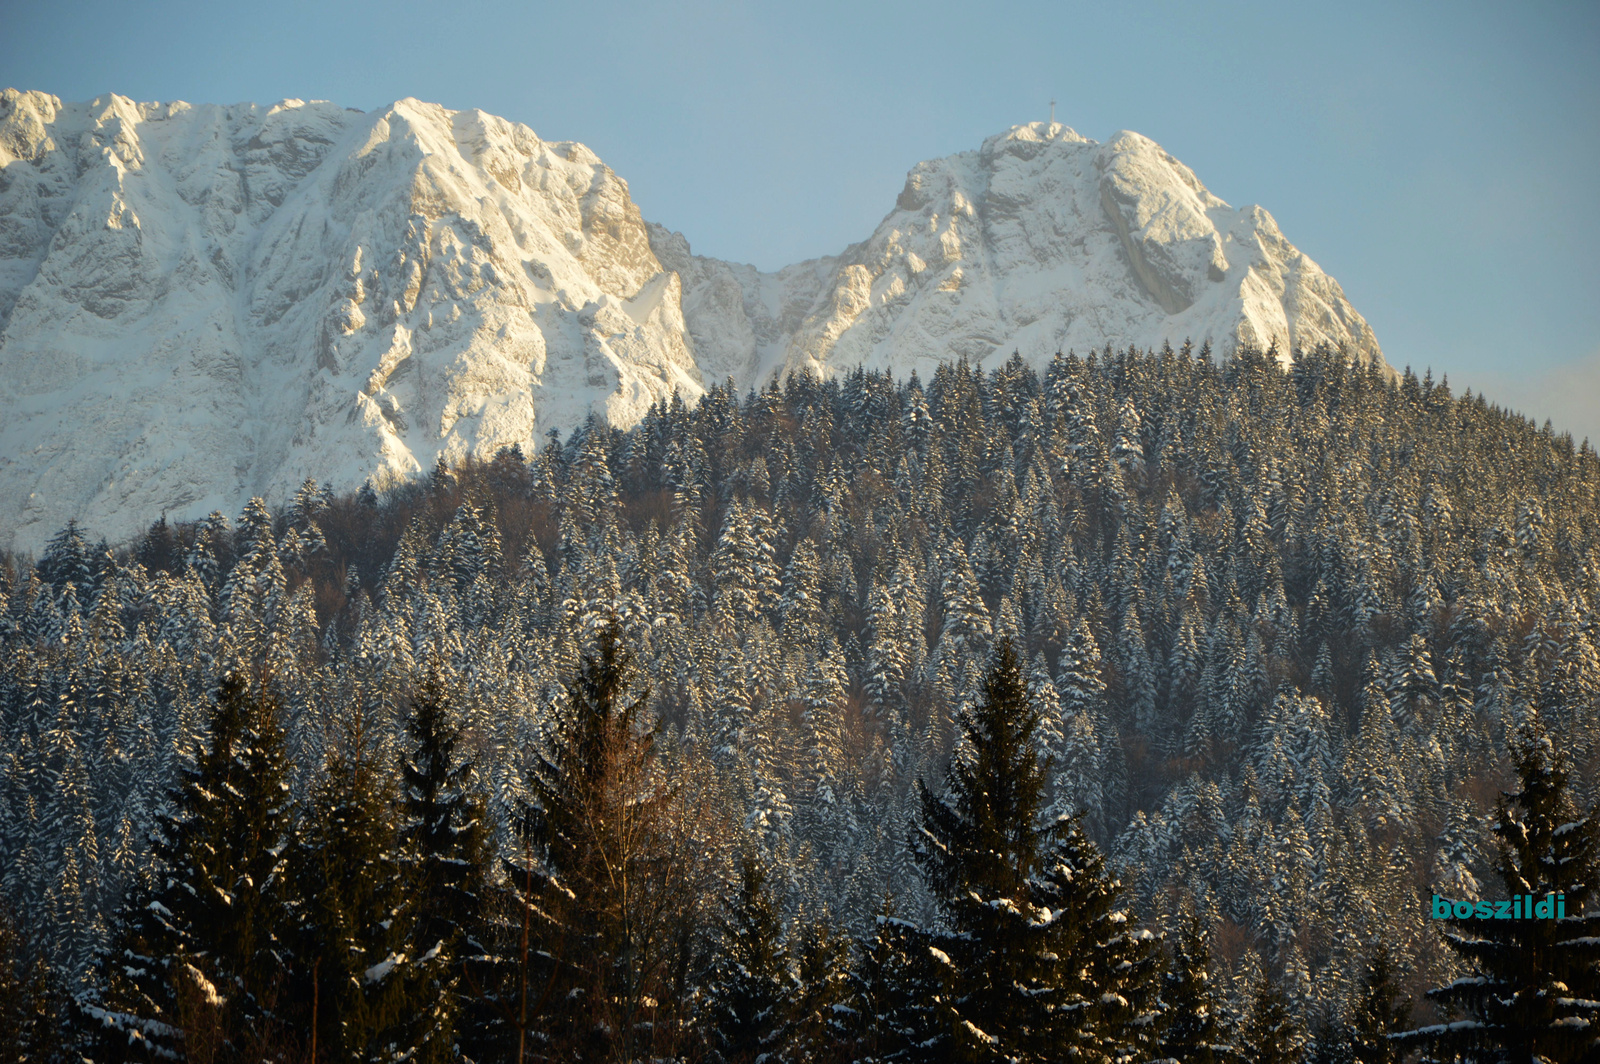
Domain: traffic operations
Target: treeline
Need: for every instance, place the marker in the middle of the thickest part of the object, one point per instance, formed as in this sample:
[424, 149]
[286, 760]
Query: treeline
[1283, 631]
[368, 924]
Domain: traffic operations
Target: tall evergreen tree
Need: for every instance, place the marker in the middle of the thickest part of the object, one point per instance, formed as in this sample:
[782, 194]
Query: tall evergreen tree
[1042, 959]
[1198, 1031]
[1113, 970]
[33, 1007]
[354, 974]
[443, 840]
[899, 994]
[1271, 1034]
[978, 845]
[610, 897]
[1533, 988]
[1378, 1011]
[819, 1006]
[749, 986]
[198, 966]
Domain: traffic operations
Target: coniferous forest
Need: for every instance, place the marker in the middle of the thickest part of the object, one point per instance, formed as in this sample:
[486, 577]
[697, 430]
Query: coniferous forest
[1136, 711]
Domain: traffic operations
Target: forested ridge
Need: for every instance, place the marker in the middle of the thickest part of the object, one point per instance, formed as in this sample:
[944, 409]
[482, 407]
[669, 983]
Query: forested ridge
[867, 682]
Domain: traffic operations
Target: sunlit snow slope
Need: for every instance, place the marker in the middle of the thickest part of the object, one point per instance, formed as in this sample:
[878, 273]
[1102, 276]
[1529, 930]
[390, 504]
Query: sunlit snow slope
[203, 303]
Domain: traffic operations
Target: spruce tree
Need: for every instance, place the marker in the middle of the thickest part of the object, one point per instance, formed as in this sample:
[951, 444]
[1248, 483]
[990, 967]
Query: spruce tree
[1271, 1034]
[199, 962]
[443, 844]
[1198, 1031]
[354, 973]
[1378, 1011]
[1332, 1043]
[609, 894]
[899, 994]
[1375, 1011]
[977, 846]
[748, 985]
[819, 1006]
[1110, 986]
[33, 1006]
[1043, 960]
[1533, 988]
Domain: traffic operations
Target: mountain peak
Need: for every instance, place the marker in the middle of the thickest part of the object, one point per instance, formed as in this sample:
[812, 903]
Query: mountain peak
[203, 303]
[1035, 133]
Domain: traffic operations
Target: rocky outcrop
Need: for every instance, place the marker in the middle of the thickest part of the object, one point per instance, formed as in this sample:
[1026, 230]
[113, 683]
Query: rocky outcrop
[201, 303]
[1038, 242]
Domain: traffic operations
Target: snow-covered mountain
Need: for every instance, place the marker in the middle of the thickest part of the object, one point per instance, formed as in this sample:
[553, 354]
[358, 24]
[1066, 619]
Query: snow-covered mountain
[203, 303]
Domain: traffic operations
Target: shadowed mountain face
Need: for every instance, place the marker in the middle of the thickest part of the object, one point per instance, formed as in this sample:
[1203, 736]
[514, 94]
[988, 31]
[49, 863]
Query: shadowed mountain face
[203, 303]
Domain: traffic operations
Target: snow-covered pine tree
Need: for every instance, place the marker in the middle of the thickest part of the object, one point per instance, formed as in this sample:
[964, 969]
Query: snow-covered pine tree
[1199, 1029]
[1532, 991]
[33, 1005]
[1079, 768]
[819, 1007]
[736, 581]
[977, 846]
[443, 838]
[255, 586]
[1041, 954]
[353, 967]
[886, 652]
[66, 563]
[1270, 1033]
[611, 880]
[200, 959]
[801, 602]
[748, 985]
[1078, 680]
[1109, 970]
[592, 490]
[1374, 783]
[899, 994]
[1378, 1011]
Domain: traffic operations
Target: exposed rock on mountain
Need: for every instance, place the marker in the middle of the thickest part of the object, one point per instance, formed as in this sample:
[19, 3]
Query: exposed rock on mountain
[203, 303]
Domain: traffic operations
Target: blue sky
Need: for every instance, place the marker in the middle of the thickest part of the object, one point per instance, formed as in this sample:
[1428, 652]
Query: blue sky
[1442, 161]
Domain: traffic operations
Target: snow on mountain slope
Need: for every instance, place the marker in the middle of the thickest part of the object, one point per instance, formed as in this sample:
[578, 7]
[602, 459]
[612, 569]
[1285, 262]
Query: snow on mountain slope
[203, 303]
[1040, 241]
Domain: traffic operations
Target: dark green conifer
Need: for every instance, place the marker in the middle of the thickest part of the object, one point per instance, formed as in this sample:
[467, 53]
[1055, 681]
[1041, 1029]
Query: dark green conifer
[1271, 1034]
[898, 994]
[33, 1007]
[355, 970]
[1043, 959]
[978, 845]
[609, 887]
[1198, 1029]
[748, 985]
[1110, 982]
[1533, 987]
[199, 963]
[819, 1008]
[1379, 1010]
[443, 843]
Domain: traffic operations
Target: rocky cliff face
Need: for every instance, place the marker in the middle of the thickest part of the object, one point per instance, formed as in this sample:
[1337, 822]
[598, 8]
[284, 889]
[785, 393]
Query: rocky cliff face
[1040, 241]
[201, 303]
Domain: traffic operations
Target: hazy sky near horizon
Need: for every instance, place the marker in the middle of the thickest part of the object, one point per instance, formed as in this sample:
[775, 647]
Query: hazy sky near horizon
[1441, 161]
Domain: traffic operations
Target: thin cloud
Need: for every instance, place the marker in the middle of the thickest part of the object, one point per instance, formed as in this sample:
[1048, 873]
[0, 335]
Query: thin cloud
[1568, 394]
